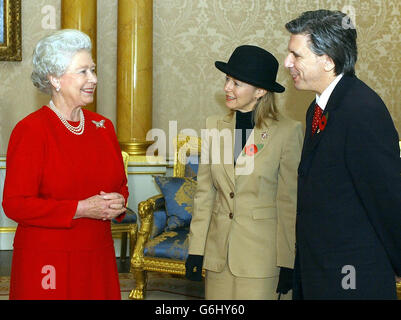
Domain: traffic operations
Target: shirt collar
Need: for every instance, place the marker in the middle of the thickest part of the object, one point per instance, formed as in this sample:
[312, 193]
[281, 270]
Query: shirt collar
[324, 97]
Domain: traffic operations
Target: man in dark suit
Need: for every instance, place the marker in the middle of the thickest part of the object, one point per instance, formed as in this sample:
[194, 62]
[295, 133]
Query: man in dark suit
[348, 233]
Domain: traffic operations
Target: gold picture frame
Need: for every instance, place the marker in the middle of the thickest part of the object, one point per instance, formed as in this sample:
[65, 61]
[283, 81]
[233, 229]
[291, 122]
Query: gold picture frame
[10, 30]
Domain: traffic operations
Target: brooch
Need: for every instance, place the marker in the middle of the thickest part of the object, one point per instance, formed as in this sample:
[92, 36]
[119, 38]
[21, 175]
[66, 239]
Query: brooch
[323, 122]
[252, 149]
[99, 124]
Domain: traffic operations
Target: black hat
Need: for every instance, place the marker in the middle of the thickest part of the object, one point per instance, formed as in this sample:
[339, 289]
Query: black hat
[253, 65]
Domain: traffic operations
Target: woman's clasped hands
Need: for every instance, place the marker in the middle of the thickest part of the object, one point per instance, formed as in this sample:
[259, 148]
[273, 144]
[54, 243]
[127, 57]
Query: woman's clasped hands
[105, 206]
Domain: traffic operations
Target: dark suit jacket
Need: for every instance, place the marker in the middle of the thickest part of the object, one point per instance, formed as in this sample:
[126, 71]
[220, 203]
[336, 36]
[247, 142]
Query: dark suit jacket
[348, 232]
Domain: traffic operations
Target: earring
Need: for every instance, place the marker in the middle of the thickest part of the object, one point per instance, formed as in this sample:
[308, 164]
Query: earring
[58, 88]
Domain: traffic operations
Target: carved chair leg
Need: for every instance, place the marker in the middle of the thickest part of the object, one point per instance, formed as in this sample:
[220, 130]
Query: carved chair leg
[132, 239]
[141, 279]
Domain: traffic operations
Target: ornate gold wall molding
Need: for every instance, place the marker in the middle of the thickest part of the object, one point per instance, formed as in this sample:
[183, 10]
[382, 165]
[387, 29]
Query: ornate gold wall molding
[11, 44]
[8, 229]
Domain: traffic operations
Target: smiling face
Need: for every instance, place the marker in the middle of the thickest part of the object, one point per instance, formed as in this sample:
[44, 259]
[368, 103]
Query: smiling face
[308, 70]
[241, 96]
[78, 83]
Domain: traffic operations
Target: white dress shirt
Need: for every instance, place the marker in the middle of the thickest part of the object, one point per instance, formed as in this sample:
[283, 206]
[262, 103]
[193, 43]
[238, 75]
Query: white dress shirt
[324, 97]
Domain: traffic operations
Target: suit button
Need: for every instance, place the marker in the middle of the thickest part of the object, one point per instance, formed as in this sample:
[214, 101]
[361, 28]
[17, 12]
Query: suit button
[231, 215]
[231, 195]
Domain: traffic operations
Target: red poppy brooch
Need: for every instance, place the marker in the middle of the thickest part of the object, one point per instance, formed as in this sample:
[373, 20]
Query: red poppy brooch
[252, 149]
[323, 122]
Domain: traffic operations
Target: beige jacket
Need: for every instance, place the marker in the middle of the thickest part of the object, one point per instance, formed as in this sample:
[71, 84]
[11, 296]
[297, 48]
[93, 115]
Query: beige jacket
[245, 216]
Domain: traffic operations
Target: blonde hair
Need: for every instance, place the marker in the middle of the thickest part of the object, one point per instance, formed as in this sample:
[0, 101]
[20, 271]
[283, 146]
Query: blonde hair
[265, 107]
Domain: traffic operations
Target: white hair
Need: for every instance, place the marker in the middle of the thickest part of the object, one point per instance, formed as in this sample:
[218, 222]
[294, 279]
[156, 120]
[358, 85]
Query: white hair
[53, 54]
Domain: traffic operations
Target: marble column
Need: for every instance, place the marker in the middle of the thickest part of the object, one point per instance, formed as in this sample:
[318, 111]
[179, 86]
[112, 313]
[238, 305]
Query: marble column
[81, 15]
[134, 75]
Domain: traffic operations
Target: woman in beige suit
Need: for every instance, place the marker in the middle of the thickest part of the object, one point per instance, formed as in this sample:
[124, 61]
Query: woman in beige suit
[243, 225]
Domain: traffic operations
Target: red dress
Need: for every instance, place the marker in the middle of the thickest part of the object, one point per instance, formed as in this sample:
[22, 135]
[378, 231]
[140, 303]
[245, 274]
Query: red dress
[49, 169]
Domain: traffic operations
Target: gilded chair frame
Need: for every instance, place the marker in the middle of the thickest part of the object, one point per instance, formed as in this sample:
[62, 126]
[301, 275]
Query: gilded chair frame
[184, 146]
[126, 230]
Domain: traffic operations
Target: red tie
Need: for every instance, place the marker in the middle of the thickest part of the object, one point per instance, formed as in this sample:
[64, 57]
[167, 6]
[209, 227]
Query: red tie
[316, 118]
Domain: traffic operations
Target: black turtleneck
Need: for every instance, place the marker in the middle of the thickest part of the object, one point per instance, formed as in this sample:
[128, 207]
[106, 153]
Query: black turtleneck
[244, 125]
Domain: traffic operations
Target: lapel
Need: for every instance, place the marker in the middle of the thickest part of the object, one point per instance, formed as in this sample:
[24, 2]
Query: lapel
[312, 142]
[228, 125]
[259, 138]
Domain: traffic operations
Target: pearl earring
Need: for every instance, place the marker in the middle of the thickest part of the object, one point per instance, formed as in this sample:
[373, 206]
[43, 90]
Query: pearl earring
[58, 89]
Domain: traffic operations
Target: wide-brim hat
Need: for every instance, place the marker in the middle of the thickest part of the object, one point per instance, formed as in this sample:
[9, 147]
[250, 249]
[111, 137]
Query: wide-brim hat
[253, 65]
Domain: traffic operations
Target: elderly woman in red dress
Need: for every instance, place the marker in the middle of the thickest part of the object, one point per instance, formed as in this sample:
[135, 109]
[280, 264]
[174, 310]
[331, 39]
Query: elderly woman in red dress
[65, 181]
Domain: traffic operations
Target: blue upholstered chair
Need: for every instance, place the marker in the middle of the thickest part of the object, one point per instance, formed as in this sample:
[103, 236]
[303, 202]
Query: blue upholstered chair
[128, 227]
[162, 242]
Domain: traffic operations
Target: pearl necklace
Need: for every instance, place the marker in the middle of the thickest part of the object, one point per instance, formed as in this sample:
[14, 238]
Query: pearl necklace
[75, 130]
